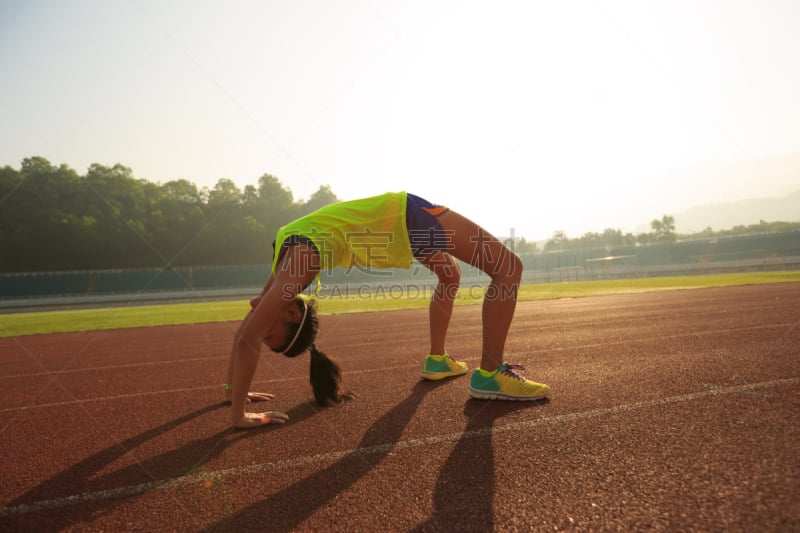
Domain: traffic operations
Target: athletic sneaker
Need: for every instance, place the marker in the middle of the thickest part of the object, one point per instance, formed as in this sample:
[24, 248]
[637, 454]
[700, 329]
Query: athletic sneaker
[505, 384]
[442, 366]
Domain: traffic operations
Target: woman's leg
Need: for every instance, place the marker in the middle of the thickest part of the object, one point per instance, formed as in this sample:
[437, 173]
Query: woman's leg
[441, 307]
[474, 245]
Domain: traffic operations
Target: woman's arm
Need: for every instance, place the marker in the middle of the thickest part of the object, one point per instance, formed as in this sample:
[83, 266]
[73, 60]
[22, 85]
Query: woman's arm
[251, 396]
[296, 270]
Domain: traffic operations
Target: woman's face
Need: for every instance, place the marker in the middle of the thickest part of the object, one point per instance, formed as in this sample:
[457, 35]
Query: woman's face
[283, 328]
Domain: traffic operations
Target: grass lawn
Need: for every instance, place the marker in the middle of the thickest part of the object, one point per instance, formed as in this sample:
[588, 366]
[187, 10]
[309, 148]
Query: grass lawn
[39, 322]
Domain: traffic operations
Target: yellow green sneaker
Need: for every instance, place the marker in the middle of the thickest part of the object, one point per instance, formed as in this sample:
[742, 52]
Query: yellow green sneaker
[442, 366]
[505, 384]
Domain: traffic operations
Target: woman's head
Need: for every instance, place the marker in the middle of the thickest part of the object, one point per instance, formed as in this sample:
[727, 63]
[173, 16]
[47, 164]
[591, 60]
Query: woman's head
[302, 334]
[324, 374]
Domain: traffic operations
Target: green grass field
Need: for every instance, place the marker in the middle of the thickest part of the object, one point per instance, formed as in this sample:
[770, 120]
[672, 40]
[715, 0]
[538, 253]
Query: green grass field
[40, 322]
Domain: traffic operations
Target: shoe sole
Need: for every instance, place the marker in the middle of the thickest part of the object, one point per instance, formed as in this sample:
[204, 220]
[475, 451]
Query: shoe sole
[433, 376]
[494, 395]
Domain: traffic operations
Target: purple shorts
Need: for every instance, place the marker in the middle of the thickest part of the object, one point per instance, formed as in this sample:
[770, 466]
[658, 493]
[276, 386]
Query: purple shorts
[424, 230]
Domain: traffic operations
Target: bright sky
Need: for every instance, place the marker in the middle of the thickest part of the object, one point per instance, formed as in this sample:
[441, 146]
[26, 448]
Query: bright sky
[537, 115]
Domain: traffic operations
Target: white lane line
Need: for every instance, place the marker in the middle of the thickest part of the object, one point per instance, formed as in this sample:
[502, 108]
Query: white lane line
[191, 479]
[210, 387]
[106, 398]
[789, 325]
[176, 391]
[111, 367]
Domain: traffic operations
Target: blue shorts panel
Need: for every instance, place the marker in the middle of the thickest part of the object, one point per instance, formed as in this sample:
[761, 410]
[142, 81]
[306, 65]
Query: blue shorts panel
[424, 230]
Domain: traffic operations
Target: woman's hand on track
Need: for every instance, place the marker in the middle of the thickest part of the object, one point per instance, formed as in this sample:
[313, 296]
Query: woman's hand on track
[254, 420]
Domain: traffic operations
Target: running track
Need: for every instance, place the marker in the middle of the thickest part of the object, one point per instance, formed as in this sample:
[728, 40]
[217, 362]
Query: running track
[674, 410]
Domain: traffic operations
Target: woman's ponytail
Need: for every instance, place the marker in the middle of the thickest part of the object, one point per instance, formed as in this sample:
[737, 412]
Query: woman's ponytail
[325, 377]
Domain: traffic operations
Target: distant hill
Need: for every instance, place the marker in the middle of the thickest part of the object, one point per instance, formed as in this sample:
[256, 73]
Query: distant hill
[727, 215]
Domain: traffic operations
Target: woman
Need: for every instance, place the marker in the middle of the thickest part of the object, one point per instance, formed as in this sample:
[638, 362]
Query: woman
[385, 231]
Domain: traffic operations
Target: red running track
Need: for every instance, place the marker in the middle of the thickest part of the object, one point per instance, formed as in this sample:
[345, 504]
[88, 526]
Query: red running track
[671, 410]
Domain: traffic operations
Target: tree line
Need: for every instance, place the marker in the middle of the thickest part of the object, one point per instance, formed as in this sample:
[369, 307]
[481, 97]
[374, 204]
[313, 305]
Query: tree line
[52, 218]
[661, 231]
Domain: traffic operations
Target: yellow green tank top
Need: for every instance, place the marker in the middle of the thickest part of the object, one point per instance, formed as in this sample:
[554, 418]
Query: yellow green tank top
[370, 232]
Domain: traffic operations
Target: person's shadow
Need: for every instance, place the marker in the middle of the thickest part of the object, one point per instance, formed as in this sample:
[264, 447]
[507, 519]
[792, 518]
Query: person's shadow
[288, 508]
[471, 469]
[28, 511]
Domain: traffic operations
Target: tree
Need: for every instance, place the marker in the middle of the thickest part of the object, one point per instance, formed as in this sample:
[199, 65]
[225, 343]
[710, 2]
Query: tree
[664, 229]
[273, 193]
[558, 241]
[177, 217]
[612, 237]
[524, 247]
[46, 217]
[122, 206]
[182, 190]
[322, 197]
[224, 194]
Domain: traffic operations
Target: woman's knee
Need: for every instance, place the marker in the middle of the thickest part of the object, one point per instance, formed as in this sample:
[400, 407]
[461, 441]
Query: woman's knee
[449, 273]
[508, 269]
[444, 266]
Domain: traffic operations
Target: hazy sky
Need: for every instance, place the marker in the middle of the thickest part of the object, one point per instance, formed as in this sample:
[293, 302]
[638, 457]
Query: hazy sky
[537, 115]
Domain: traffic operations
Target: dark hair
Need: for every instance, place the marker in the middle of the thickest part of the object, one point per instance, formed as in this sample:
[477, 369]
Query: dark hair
[324, 373]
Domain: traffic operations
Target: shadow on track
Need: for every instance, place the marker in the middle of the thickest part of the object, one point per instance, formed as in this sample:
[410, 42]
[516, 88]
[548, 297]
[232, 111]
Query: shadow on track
[471, 468]
[47, 506]
[287, 509]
